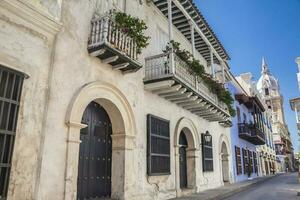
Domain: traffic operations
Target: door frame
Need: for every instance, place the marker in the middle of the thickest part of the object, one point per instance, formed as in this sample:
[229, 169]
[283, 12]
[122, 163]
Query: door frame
[123, 137]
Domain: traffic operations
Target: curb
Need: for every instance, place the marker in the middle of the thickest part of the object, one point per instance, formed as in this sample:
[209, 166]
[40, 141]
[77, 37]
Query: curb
[241, 189]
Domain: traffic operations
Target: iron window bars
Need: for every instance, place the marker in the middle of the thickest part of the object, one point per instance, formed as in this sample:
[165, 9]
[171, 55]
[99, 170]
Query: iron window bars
[207, 154]
[10, 91]
[158, 151]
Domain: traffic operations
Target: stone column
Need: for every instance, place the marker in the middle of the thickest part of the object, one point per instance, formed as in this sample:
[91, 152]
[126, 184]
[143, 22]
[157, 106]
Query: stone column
[191, 158]
[177, 171]
[122, 179]
[73, 143]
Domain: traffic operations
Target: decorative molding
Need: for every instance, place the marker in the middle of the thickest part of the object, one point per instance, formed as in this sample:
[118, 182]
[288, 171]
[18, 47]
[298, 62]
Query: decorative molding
[37, 19]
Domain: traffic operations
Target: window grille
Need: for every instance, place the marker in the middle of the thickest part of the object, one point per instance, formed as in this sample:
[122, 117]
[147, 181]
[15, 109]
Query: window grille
[10, 92]
[207, 154]
[158, 150]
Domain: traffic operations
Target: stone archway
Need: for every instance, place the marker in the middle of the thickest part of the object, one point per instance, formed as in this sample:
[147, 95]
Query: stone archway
[186, 127]
[123, 136]
[225, 164]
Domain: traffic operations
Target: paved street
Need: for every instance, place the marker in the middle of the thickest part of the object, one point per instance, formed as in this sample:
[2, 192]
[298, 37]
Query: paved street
[283, 187]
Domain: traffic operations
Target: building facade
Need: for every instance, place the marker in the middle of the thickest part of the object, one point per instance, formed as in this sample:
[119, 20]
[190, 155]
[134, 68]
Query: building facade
[251, 133]
[269, 89]
[86, 113]
[295, 106]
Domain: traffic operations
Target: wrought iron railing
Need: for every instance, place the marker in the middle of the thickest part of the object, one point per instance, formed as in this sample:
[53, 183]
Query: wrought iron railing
[251, 130]
[104, 30]
[159, 66]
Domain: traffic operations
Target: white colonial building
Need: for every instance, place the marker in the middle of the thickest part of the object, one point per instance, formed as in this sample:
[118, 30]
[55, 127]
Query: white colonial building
[85, 114]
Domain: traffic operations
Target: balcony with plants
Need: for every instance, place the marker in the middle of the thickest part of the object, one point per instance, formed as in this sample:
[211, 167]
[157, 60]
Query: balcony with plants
[117, 39]
[180, 78]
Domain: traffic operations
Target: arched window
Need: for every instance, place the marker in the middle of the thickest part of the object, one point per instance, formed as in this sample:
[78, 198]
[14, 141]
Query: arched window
[10, 91]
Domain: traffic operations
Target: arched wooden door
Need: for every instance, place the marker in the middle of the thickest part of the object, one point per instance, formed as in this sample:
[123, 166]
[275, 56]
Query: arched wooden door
[94, 170]
[182, 160]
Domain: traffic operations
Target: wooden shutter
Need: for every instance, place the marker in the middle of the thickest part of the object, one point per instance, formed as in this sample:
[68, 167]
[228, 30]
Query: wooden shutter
[255, 162]
[238, 160]
[158, 151]
[207, 155]
[245, 161]
[250, 158]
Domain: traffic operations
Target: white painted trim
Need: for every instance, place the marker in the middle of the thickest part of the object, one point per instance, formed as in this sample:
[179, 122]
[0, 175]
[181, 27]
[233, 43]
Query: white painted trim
[38, 19]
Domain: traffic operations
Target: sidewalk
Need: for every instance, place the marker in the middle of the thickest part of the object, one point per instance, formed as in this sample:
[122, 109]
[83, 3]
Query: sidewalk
[225, 191]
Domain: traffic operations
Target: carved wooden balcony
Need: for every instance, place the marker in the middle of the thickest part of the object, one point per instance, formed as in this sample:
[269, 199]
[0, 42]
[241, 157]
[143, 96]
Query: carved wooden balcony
[112, 45]
[178, 84]
[251, 133]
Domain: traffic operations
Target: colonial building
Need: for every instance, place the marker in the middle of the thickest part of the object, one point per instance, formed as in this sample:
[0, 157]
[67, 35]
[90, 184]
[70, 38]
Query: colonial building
[269, 89]
[251, 133]
[91, 107]
[245, 133]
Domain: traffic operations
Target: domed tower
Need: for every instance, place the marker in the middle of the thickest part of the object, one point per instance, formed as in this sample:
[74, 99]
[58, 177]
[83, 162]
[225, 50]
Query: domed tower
[269, 89]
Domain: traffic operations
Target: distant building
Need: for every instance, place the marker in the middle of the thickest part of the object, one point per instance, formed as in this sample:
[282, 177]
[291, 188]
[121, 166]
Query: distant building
[295, 106]
[269, 89]
[251, 133]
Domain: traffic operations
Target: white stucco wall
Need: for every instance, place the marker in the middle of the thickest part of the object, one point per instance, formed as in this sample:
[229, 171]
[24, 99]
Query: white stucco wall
[39, 164]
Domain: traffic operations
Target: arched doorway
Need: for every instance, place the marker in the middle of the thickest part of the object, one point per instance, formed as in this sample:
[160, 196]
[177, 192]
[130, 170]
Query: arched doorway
[225, 163]
[123, 129]
[95, 154]
[182, 160]
[186, 157]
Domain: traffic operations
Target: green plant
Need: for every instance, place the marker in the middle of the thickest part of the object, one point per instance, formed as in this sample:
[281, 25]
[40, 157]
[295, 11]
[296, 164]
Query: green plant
[133, 27]
[198, 70]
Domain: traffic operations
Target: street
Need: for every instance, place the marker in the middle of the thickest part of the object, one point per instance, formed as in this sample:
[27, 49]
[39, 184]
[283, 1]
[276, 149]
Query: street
[283, 187]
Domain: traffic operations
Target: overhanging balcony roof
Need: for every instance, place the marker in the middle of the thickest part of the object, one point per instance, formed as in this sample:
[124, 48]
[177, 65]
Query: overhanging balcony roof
[181, 86]
[180, 10]
[248, 101]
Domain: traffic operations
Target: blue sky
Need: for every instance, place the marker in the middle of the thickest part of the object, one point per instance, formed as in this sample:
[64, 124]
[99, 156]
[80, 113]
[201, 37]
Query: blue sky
[250, 29]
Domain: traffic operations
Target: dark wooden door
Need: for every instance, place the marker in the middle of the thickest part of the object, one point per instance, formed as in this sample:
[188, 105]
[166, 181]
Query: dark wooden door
[94, 170]
[182, 160]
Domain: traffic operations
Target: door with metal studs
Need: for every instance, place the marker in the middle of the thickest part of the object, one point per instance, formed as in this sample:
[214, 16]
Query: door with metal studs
[95, 152]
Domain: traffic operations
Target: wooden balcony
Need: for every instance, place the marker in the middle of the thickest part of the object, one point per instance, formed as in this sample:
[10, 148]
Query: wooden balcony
[251, 133]
[178, 84]
[112, 45]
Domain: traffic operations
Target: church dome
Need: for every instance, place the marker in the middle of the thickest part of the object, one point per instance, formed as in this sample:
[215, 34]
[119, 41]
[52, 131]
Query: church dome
[267, 80]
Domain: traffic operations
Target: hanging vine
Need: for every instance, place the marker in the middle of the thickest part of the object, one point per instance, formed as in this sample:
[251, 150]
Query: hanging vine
[134, 28]
[198, 70]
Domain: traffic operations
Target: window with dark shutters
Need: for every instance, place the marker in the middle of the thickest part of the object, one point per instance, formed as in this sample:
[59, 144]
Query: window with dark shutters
[10, 93]
[255, 162]
[245, 161]
[238, 160]
[158, 142]
[250, 157]
[207, 155]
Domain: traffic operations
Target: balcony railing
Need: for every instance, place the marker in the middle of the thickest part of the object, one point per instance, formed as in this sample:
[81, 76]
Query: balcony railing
[159, 69]
[111, 44]
[251, 133]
